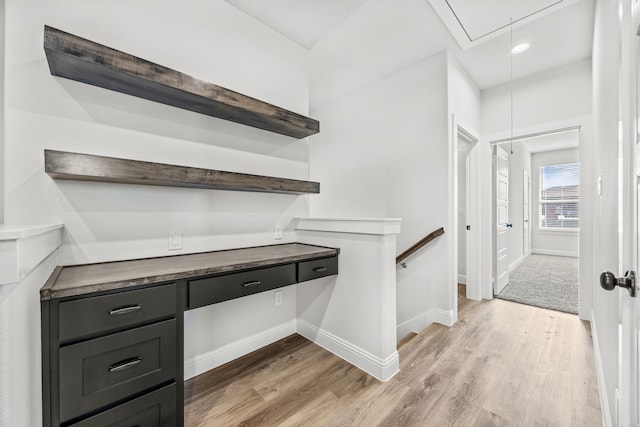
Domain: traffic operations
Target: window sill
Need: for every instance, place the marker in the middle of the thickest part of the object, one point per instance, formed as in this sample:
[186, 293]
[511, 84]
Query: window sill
[559, 231]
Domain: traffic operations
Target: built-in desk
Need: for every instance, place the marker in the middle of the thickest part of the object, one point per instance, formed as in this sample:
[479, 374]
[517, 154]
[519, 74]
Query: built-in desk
[112, 333]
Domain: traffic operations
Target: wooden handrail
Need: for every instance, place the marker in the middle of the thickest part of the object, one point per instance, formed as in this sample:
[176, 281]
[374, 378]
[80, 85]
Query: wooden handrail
[420, 244]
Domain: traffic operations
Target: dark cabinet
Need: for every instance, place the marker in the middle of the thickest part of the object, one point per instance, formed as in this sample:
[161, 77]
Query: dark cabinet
[112, 337]
[235, 285]
[115, 311]
[100, 371]
[317, 268]
[113, 358]
[155, 409]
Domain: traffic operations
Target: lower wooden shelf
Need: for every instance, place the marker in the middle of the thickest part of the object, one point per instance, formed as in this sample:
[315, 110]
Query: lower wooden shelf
[88, 167]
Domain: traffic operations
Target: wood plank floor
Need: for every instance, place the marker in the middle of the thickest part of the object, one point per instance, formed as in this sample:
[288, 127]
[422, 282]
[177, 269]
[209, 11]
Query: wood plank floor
[502, 364]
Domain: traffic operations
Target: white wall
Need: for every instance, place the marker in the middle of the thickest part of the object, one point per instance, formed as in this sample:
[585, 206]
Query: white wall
[555, 99]
[605, 151]
[380, 150]
[464, 104]
[210, 40]
[519, 161]
[353, 314]
[548, 97]
[465, 99]
[550, 242]
[20, 306]
[378, 39]
[418, 189]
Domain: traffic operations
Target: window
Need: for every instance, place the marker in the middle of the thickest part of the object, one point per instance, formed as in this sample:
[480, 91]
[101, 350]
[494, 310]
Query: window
[560, 196]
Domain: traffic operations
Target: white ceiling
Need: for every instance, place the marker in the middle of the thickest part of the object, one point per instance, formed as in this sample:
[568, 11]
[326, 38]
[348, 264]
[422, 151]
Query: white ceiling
[472, 22]
[390, 34]
[303, 21]
[559, 38]
[481, 18]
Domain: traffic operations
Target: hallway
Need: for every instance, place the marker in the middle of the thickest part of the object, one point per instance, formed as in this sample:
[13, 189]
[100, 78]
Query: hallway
[502, 364]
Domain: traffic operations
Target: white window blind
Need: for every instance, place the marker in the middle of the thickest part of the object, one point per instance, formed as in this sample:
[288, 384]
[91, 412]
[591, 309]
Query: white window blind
[560, 196]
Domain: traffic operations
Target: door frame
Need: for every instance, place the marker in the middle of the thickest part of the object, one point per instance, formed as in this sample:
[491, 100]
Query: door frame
[526, 214]
[463, 131]
[587, 189]
[498, 150]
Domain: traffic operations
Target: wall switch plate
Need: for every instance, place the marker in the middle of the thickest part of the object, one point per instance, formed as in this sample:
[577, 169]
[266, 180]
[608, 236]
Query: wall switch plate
[175, 240]
[277, 232]
[277, 298]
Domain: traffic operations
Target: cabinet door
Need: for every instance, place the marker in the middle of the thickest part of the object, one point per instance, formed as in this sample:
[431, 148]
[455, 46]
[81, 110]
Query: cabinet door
[121, 310]
[99, 372]
[156, 409]
[235, 285]
[309, 270]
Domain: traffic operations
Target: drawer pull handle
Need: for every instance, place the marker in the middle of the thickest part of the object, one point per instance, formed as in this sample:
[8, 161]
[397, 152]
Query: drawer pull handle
[125, 364]
[124, 310]
[320, 269]
[252, 284]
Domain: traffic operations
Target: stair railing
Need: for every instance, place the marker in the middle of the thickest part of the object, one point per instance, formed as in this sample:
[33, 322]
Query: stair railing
[419, 245]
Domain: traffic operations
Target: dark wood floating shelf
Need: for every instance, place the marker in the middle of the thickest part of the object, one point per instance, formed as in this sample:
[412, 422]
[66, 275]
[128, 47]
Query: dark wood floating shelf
[79, 59]
[87, 167]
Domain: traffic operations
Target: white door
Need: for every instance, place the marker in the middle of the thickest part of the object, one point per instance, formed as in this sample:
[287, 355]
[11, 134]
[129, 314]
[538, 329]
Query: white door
[625, 229]
[525, 213]
[629, 376]
[502, 220]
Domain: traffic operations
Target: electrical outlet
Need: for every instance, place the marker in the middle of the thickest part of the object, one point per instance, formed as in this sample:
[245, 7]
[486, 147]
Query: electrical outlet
[175, 240]
[277, 298]
[277, 232]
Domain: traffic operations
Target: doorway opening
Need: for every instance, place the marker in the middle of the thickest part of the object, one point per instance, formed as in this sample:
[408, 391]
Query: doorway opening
[467, 225]
[537, 220]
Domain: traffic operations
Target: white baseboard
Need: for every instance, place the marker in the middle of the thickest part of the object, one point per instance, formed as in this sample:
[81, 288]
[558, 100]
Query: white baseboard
[212, 359]
[554, 252]
[416, 324]
[423, 320]
[462, 278]
[604, 401]
[516, 263]
[444, 317]
[382, 369]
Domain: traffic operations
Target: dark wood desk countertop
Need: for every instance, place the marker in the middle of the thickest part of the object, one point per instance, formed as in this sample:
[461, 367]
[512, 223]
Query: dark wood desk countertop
[68, 281]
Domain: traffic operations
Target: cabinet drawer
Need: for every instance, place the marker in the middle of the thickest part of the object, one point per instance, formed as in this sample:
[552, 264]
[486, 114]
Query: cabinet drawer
[98, 372]
[229, 286]
[156, 409]
[93, 315]
[309, 270]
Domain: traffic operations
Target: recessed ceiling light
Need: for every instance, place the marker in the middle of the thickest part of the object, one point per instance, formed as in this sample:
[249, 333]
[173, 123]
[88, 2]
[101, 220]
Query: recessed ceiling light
[520, 48]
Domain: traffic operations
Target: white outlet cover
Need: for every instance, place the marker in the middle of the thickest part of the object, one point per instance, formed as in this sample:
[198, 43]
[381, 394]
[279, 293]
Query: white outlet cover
[175, 240]
[277, 298]
[278, 232]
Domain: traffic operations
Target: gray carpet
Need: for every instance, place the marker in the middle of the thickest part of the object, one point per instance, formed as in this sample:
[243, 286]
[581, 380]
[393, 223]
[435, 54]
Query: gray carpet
[545, 281]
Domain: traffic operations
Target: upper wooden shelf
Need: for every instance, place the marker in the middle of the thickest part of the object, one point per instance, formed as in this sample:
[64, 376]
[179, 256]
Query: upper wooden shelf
[85, 61]
[87, 167]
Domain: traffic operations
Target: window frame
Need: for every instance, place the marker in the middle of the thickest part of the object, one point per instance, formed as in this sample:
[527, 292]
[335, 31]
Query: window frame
[541, 202]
